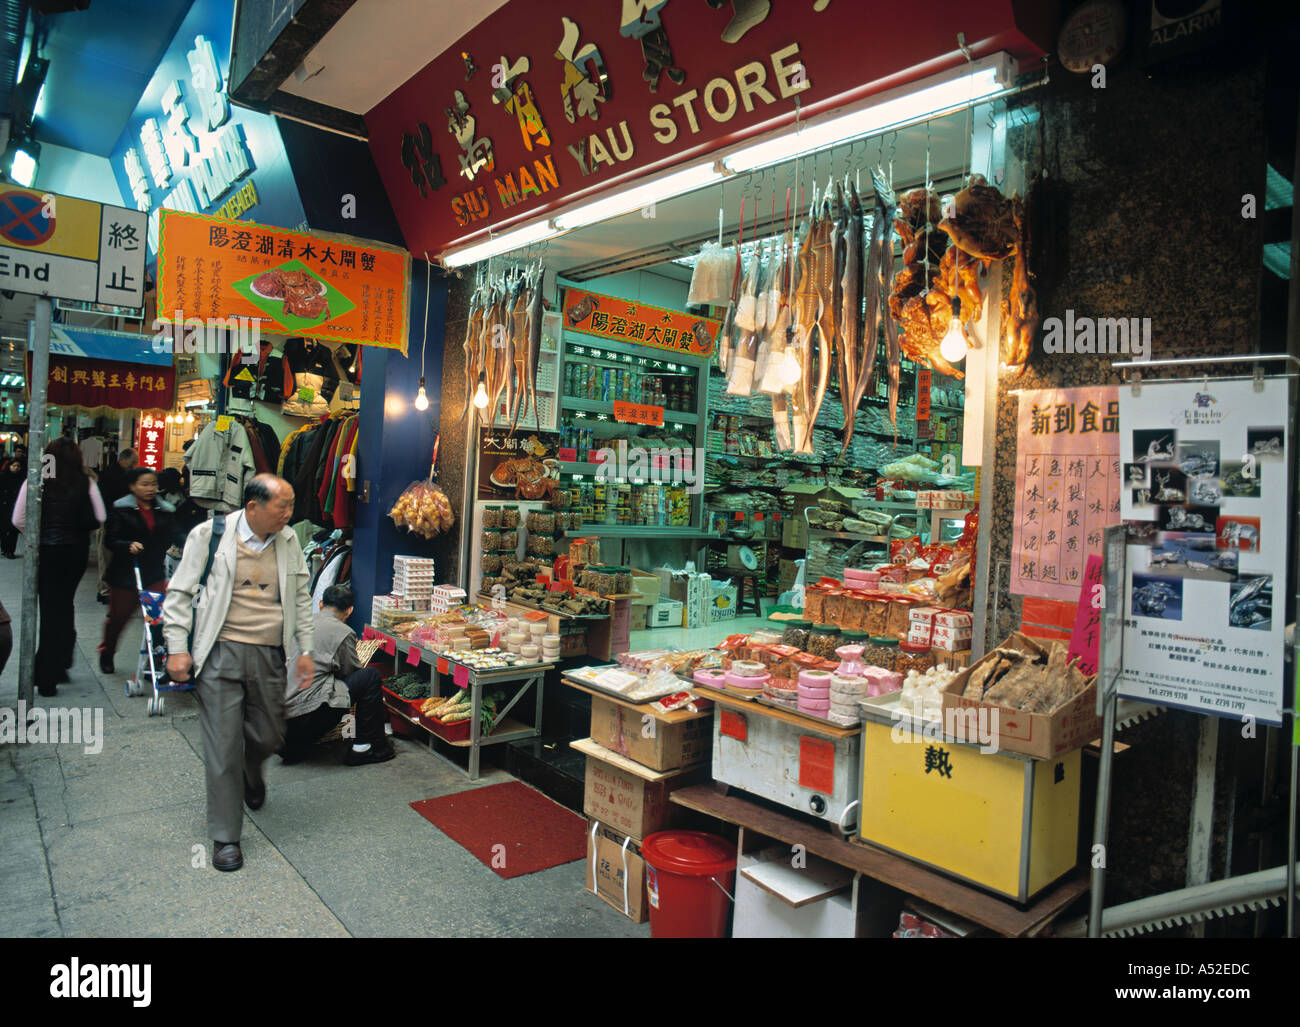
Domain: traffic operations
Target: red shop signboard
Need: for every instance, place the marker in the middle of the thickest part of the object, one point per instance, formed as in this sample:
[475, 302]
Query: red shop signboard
[101, 385]
[151, 439]
[536, 107]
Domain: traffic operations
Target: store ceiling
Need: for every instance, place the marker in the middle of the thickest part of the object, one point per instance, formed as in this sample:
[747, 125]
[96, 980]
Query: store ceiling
[101, 60]
[681, 225]
[377, 45]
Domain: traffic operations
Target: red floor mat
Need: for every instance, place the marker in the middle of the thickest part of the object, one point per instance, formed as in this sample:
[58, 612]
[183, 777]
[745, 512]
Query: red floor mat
[510, 828]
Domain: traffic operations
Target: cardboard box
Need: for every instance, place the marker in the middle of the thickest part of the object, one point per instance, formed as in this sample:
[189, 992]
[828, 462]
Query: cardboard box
[628, 797]
[667, 613]
[787, 571]
[648, 585]
[616, 871]
[661, 742]
[794, 533]
[639, 617]
[1041, 735]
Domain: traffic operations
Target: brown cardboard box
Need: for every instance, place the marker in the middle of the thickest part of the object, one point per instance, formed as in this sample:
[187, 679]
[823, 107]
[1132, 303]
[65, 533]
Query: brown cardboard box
[648, 585]
[794, 532]
[787, 571]
[639, 617]
[626, 796]
[1042, 735]
[660, 741]
[616, 871]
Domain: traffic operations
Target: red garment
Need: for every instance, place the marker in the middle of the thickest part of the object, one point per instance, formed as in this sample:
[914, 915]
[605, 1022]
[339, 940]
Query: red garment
[331, 452]
[146, 513]
[255, 450]
[342, 497]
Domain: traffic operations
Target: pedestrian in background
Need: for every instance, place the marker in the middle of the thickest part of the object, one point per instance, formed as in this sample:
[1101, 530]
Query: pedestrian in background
[141, 528]
[12, 475]
[71, 509]
[112, 486]
[232, 632]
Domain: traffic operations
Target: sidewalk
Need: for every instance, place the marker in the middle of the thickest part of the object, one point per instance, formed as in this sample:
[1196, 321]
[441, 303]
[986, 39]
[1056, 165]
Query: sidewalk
[103, 845]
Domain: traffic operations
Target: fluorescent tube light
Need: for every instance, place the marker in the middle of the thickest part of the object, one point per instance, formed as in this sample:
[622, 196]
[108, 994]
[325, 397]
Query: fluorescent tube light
[640, 196]
[499, 244]
[941, 94]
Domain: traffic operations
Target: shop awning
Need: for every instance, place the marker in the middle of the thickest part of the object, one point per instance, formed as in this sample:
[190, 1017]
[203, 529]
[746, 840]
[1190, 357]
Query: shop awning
[97, 372]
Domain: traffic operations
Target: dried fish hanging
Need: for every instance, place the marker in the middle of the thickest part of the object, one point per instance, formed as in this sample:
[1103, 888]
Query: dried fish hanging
[751, 318]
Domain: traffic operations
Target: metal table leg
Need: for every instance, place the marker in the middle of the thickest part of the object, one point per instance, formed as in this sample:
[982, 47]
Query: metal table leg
[475, 727]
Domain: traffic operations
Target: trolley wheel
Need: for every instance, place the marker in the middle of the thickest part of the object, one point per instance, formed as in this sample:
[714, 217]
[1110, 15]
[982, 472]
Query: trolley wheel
[134, 688]
[156, 706]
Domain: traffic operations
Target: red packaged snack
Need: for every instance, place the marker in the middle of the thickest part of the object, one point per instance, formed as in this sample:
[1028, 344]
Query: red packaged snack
[904, 550]
[832, 607]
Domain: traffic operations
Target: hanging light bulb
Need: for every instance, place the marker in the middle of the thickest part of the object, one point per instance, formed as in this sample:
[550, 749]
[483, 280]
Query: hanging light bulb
[169, 419]
[189, 417]
[953, 346]
[480, 394]
[790, 371]
[422, 399]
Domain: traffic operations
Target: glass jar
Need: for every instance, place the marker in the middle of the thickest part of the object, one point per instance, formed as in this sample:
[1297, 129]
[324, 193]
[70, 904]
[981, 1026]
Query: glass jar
[510, 517]
[914, 656]
[881, 651]
[823, 640]
[795, 634]
[491, 517]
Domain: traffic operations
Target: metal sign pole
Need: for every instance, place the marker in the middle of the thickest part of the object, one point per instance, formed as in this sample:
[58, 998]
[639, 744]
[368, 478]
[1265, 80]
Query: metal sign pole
[38, 343]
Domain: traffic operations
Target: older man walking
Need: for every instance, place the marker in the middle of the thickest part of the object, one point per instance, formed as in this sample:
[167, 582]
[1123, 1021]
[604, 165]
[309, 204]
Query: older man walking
[233, 608]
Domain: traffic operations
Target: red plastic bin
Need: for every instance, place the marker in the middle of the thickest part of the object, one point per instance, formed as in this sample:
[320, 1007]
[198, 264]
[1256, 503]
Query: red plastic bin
[690, 876]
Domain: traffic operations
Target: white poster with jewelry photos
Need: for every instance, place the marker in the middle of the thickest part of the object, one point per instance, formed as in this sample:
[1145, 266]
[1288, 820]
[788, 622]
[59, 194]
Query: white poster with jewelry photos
[1205, 501]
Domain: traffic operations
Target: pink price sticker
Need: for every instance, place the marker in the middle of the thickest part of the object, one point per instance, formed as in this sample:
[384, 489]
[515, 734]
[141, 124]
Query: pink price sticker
[413, 656]
[460, 676]
[442, 665]
[367, 634]
[390, 645]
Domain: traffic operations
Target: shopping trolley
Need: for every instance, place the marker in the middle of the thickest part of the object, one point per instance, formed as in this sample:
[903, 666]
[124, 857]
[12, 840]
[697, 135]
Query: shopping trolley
[153, 651]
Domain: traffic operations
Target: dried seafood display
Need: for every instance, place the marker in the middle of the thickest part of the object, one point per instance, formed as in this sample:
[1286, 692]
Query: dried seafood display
[502, 343]
[1023, 675]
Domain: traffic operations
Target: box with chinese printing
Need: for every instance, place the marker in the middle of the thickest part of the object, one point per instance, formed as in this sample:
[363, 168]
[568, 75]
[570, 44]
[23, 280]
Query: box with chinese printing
[920, 621]
[996, 819]
[616, 871]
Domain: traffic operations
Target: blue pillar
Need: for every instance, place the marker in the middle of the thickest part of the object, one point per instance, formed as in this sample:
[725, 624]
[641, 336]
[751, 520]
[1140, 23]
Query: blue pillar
[396, 444]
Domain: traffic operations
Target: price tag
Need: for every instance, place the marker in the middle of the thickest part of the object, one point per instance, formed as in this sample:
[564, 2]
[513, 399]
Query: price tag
[413, 656]
[568, 455]
[390, 645]
[223, 423]
[536, 615]
[460, 676]
[442, 665]
[816, 764]
[367, 634]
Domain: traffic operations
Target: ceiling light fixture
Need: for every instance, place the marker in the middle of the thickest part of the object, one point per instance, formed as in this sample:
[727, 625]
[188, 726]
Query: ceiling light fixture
[933, 97]
[499, 244]
[641, 196]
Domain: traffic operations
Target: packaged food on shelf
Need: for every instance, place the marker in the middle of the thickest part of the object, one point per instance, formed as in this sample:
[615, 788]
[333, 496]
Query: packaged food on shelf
[492, 517]
[882, 651]
[510, 517]
[823, 640]
[796, 633]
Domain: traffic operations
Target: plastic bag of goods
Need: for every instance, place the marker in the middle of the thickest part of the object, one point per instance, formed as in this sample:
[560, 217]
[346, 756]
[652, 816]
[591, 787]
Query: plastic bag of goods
[423, 509]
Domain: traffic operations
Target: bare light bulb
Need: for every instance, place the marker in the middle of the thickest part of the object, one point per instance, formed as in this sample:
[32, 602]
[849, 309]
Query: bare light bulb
[169, 419]
[481, 396]
[421, 398]
[189, 417]
[953, 345]
[790, 371]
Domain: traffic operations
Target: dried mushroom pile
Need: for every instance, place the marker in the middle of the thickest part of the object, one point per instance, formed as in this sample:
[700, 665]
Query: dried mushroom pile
[1028, 678]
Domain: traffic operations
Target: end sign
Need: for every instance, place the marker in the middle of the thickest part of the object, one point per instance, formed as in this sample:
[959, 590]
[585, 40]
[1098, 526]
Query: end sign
[71, 249]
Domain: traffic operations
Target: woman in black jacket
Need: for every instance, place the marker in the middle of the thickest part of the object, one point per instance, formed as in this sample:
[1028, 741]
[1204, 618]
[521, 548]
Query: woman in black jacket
[141, 528]
[71, 508]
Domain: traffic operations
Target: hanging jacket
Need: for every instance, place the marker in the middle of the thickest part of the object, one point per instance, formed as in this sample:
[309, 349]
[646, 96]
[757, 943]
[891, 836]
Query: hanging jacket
[306, 507]
[220, 464]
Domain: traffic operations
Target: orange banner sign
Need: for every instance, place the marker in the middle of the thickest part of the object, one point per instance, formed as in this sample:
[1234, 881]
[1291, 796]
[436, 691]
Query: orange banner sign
[639, 324]
[638, 413]
[322, 287]
[922, 395]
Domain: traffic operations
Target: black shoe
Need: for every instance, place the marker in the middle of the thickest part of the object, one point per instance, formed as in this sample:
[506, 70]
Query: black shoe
[226, 856]
[106, 661]
[47, 690]
[254, 799]
[375, 754]
[62, 678]
[290, 756]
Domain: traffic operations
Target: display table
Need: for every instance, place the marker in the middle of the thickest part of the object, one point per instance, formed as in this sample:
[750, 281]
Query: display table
[503, 729]
[1004, 918]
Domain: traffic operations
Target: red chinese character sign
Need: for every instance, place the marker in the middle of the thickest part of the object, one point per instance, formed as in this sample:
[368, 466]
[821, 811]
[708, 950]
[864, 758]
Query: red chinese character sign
[322, 287]
[1067, 487]
[99, 386]
[151, 439]
[638, 413]
[639, 324]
